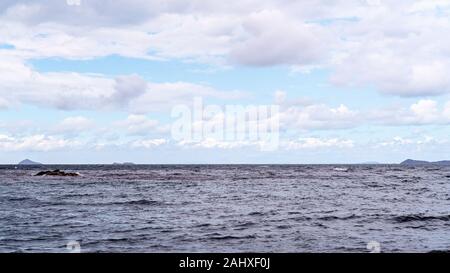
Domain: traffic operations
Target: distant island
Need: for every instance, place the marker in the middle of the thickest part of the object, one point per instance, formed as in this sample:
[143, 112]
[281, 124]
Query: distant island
[29, 162]
[411, 162]
[408, 162]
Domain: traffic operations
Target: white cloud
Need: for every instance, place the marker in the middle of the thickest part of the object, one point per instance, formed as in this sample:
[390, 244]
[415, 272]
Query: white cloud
[148, 143]
[395, 46]
[398, 52]
[414, 142]
[19, 83]
[446, 111]
[127, 88]
[429, 5]
[76, 124]
[423, 112]
[397, 141]
[138, 125]
[39, 143]
[211, 143]
[313, 116]
[319, 116]
[271, 38]
[4, 104]
[99, 13]
[315, 143]
[162, 96]
[285, 144]
[280, 97]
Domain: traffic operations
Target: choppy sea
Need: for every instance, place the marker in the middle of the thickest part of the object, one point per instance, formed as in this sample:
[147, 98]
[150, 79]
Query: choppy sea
[226, 208]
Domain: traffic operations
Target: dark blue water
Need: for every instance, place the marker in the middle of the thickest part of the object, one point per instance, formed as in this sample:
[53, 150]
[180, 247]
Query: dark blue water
[226, 209]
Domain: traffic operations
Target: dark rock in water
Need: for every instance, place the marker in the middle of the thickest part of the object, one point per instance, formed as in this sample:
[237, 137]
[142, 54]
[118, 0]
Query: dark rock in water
[29, 162]
[55, 173]
[411, 162]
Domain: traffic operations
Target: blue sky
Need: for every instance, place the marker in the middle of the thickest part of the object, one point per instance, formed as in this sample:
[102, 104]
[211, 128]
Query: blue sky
[86, 84]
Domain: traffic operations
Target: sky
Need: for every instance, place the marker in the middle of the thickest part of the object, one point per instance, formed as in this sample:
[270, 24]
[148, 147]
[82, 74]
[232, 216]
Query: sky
[84, 81]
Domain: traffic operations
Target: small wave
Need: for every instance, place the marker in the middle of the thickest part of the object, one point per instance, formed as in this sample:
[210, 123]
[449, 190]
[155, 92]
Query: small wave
[19, 199]
[76, 195]
[420, 217]
[230, 237]
[133, 202]
[284, 227]
[414, 180]
[330, 218]
[117, 240]
[246, 224]
[202, 225]
[341, 169]
[141, 202]
[256, 213]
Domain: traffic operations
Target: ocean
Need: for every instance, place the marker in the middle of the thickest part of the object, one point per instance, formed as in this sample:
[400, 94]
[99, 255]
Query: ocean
[226, 208]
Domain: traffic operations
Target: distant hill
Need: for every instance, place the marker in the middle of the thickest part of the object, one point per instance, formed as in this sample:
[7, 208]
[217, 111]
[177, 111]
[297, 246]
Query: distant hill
[29, 162]
[411, 162]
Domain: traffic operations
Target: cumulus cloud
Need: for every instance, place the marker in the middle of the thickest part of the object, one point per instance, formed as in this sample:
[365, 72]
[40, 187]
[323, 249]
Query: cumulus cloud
[414, 142]
[396, 47]
[319, 116]
[19, 83]
[75, 125]
[62, 90]
[138, 125]
[423, 112]
[35, 143]
[306, 115]
[148, 143]
[398, 52]
[271, 38]
[212, 143]
[429, 5]
[127, 88]
[4, 104]
[163, 95]
[314, 143]
[89, 13]
[285, 144]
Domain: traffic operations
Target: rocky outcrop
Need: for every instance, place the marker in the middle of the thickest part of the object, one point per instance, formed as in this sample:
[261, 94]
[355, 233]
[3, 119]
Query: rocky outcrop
[55, 173]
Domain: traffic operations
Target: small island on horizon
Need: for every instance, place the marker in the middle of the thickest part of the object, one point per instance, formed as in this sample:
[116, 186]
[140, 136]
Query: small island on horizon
[407, 162]
[29, 162]
[412, 162]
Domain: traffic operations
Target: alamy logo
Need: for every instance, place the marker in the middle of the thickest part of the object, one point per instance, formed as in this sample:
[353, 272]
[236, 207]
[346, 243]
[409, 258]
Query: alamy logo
[230, 124]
